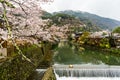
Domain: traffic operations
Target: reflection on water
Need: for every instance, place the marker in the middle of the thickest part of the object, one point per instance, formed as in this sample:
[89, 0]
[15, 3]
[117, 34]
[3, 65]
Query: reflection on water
[67, 53]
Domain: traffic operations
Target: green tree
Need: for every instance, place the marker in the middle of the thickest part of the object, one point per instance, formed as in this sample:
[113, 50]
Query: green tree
[116, 30]
[104, 43]
[83, 38]
[89, 24]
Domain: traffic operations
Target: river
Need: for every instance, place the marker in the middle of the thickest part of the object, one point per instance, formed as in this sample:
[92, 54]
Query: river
[88, 63]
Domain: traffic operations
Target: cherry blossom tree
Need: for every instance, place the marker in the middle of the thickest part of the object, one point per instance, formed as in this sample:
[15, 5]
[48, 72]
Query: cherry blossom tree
[25, 15]
[21, 17]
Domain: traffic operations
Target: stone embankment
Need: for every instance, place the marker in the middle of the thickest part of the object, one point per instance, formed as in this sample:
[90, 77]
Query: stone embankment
[49, 74]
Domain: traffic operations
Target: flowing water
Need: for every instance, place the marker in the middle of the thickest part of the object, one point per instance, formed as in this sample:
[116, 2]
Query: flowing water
[87, 78]
[67, 53]
[88, 64]
[87, 71]
[83, 72]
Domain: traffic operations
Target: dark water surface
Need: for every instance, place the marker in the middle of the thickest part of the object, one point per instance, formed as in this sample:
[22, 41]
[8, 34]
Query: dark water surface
[67, 53]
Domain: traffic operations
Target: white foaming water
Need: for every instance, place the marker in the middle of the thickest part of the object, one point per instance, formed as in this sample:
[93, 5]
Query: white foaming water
[87, 72]
[89, 78]
[86, 78]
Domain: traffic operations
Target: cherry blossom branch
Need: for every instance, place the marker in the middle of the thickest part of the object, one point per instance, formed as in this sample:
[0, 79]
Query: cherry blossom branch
[24, 5]
[10, 33]
[20, 4]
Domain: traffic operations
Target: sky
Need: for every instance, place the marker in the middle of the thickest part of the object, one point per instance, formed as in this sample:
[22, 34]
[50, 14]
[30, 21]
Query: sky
[104, 8]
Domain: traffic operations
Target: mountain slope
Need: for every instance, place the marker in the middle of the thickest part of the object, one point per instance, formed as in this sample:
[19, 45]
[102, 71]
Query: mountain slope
[61, 19]
[104, 23]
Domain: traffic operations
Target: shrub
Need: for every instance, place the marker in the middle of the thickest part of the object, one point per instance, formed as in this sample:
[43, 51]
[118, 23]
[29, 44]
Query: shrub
[104, 43]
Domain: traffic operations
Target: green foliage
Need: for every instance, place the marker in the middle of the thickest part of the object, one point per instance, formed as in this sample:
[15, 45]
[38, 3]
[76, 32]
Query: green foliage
[88, 54]
[46, 15]
[1, 1]
[18, 68]
[83, 38]
[89, 25]
[7, 3]
[93, 42]
[116, 30]
[60, 19]
[104, 43]
[114, 50]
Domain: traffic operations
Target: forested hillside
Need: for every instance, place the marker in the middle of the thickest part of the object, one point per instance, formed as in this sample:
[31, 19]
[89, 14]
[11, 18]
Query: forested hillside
[60, 19]
[101, 22]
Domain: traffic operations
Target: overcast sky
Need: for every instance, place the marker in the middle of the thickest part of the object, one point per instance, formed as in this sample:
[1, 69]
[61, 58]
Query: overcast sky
[105, 8]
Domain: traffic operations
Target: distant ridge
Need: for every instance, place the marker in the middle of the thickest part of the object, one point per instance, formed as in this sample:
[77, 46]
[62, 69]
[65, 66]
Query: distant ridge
[101, 22]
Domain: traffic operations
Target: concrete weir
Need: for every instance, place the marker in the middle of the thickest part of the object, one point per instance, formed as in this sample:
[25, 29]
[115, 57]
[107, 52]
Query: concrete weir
[87, 71]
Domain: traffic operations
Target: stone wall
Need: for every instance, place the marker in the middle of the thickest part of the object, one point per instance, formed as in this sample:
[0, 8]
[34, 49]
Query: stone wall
[49, 74]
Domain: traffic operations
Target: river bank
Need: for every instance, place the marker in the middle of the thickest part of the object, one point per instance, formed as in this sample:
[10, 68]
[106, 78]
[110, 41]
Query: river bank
[17, 68]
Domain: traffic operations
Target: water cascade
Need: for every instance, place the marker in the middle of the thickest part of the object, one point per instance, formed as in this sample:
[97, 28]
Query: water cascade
[82, 72]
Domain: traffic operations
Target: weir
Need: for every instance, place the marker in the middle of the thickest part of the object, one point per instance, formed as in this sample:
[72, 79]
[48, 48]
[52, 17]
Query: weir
[87, 71]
